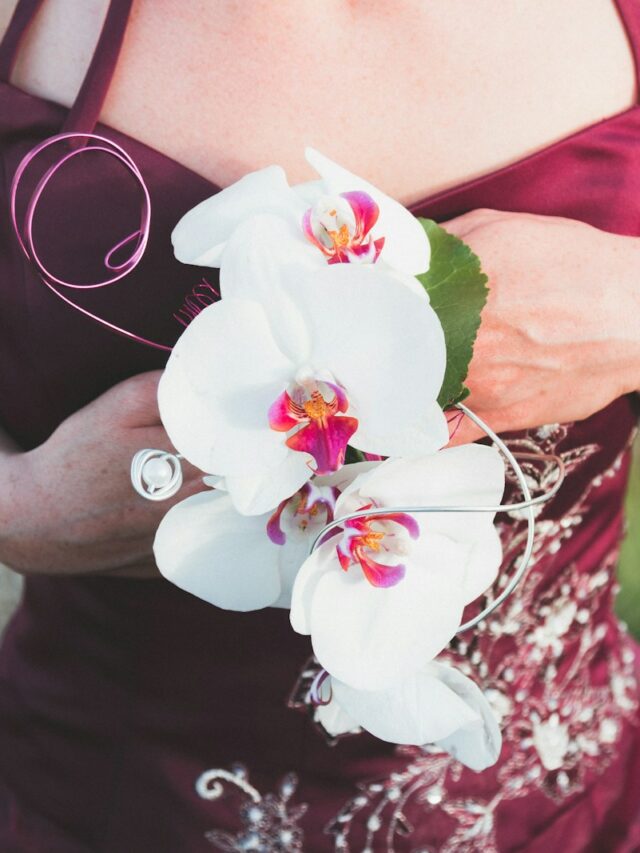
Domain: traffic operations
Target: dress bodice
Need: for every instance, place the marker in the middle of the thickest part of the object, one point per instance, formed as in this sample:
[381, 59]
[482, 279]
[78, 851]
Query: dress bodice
[139, 687]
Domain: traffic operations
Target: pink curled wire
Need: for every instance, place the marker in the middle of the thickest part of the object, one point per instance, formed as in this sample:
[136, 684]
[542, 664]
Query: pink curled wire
[201, 296]
[140, 235]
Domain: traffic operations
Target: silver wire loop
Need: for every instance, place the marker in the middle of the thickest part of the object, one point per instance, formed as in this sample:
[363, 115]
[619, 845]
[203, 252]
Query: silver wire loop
[156, 474]
[527, 505]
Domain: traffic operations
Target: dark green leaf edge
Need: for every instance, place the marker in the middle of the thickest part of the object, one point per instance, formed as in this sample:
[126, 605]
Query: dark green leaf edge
[458, 292]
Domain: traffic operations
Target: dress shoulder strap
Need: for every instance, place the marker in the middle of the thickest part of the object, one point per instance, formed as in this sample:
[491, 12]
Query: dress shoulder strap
[629, 11]
[84, 113]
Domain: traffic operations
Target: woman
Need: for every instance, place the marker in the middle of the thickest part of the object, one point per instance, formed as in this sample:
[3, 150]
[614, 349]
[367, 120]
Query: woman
[520, 128]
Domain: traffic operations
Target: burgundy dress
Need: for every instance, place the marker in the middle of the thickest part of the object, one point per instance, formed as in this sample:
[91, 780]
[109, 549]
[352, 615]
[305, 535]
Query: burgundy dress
[116, 695]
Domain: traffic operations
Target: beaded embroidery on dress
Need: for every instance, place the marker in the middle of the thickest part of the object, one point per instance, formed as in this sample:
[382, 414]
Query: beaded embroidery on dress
[268, 823]
[554, 662]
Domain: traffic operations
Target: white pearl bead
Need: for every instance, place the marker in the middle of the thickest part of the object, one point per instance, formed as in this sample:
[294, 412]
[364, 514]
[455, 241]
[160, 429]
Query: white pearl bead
[157, 473]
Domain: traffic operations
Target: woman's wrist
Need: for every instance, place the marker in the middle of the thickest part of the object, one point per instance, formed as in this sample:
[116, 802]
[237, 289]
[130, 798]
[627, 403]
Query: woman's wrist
[15, 467]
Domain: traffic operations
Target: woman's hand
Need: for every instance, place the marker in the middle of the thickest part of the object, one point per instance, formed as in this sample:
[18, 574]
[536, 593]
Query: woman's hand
[560, 334]
[69, 507]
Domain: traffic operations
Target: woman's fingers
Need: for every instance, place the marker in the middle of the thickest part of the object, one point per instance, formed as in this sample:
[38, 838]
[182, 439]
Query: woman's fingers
[133, 402]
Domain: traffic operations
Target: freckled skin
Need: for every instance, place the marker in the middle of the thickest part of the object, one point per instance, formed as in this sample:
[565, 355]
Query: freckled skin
[426, 101]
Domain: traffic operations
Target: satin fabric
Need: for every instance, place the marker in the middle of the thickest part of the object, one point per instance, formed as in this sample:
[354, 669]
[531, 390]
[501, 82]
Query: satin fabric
[116, 694]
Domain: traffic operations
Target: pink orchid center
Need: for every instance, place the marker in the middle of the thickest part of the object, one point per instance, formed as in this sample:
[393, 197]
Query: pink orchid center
[314, 411]
[340, 226]
[377, 543]
[310, 509]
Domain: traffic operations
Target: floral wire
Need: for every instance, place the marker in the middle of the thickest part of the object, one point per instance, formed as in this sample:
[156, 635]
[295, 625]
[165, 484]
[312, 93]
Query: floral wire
[527, 505]
[314, 694]
[458, 417]
[202, 295]
[157, 493]
[24, 232]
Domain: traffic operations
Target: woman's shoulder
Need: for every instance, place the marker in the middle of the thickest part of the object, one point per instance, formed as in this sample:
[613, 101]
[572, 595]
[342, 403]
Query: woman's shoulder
[6, 11]
[53, 55]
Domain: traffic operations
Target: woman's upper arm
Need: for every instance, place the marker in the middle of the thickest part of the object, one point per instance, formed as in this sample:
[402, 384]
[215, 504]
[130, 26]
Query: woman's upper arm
[6, 11]
[7, 444]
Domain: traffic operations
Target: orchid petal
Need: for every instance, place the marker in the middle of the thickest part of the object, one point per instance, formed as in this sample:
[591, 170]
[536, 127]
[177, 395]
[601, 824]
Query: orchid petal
[391, 378]
[409, 281]
[274, 525]
[206, 548]
[365, 209]
[380, 574]
[419, 710]
[483, 563]
[334, 720]
[372, 638]
[471, 474]
[478, 744]
[252, 267]
[424, 437]
[261, 492]
[406, 245]
[343, 478]
[222, 376]
[310, 234]
[310, 191]
[290, 557]
[311, 573]
[437, 705]
[284, 414]
[342, 400]
[200, 236]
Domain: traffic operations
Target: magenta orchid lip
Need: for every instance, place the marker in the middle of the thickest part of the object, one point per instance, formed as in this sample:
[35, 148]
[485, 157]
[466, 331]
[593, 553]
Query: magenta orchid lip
[306, 507]
[378, 535]
[340, 227]
[321, 428]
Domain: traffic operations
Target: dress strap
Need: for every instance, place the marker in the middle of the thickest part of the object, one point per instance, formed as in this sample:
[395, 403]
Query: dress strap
[84, 113]
[629, 11]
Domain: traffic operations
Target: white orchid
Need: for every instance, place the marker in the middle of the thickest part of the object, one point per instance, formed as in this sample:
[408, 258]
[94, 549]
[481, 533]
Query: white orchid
[269, 385]
[438, 705]
[241, 562]
[340, 218]
[385, 594]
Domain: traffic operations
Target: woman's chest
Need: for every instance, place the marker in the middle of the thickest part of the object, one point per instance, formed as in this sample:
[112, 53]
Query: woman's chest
[416, 96]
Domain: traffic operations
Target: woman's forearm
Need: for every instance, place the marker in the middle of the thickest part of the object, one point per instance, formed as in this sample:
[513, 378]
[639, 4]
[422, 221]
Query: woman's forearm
[68, 507]
[560, 334]
[12, 485]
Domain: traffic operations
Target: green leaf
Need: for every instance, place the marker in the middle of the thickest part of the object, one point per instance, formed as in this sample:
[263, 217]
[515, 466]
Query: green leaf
[353, 455]
[458, 290]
